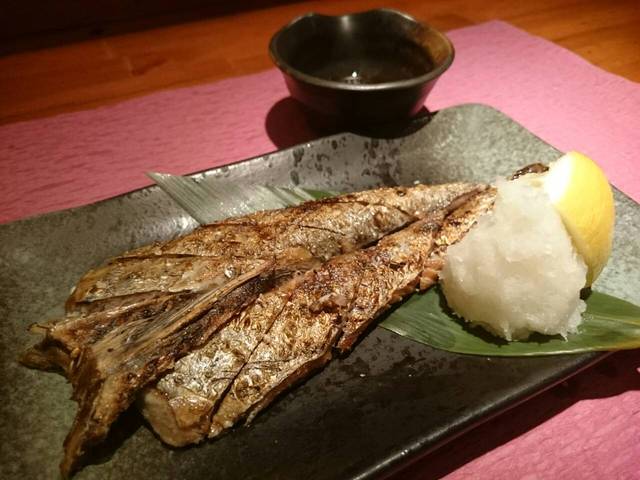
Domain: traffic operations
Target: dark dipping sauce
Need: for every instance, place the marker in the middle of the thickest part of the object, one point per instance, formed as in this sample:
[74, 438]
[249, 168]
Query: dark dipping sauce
[362, 69]
[362, 60]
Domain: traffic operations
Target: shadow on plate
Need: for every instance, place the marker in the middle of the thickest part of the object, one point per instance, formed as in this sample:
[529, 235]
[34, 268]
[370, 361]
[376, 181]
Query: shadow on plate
[290, 123]
[128, 424]
[287, 124]
[613, 376]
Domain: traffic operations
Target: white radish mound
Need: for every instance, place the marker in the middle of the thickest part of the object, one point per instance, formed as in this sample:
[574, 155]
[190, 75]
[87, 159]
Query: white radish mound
[516, 271]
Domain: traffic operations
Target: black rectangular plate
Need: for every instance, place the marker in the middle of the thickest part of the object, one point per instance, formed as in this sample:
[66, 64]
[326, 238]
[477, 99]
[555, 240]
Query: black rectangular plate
[386, 402]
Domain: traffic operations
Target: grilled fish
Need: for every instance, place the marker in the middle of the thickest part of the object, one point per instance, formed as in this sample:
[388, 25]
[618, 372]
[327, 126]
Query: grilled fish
[305, 310]
[144, 282]
[180, 406]
[454, 228]
[129, 321]
[398, 265]
[353, 288]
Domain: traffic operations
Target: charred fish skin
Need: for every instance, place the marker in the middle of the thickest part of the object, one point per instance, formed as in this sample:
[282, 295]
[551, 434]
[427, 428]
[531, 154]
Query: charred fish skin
[107, 373]
[454, 228]
[394, 268]
[179, 406]
[199, 380]
[399, 264]
[322, 309]
[63, 340]
[239, 236]
[325, 228]
[86, 326]
[203, 377]
[162, 274]
[214, 254]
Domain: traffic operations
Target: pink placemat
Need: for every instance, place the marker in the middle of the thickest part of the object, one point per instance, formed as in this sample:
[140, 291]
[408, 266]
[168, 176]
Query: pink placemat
[76, 158]
[588, 429]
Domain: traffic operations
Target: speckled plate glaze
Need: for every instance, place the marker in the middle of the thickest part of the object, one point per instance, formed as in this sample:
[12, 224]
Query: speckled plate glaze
[365, 414]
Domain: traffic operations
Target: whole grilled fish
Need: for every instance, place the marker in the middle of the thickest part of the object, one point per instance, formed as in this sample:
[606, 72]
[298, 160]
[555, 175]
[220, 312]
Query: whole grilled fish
[181, 406]
[147, 281]
[129, 321]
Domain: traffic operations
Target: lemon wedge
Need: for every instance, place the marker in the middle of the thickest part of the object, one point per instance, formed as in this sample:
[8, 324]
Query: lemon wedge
[580, 192]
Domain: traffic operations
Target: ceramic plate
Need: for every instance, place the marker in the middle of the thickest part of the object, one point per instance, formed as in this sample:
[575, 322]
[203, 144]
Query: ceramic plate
[390, 400]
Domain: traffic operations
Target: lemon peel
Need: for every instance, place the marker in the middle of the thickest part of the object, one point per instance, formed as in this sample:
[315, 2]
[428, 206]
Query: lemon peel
[581, 194]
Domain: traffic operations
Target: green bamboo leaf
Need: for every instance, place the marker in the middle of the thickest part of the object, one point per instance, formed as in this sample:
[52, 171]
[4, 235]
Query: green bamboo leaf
[209, 199]
[609, 323]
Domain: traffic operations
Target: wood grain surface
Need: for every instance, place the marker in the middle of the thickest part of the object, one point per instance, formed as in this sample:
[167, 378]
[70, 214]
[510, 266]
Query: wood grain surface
[108, 68]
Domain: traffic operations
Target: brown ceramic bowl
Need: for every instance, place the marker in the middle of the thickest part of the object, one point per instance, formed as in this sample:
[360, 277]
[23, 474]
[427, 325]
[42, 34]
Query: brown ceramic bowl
[365, 68]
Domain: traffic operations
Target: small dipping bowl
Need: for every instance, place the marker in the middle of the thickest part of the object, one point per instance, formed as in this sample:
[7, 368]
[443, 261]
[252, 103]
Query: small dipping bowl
[364, 68]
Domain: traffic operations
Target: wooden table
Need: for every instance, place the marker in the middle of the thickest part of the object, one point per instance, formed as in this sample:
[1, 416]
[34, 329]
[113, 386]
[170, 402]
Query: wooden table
[106, 69]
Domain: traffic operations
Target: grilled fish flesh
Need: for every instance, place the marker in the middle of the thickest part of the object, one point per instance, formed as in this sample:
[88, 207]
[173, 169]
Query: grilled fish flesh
[144, 282]
[398, 265]
[182, 406]
[129, 321]
[454, 228]
[356, 287]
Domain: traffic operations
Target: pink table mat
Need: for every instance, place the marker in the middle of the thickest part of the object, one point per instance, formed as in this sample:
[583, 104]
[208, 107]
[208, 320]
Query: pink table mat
[588, 428]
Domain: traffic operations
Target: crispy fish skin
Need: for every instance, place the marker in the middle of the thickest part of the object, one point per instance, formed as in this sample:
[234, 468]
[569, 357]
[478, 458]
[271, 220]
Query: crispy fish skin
[160, 274]
[64, 340]
[178, 407]
[395, 267]
[214, 254]
[399, 263]
[210, 370]
[325, 228]
[454, 228]
[107, 374]
[239, 237]
[200, 379]
[301, 338]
